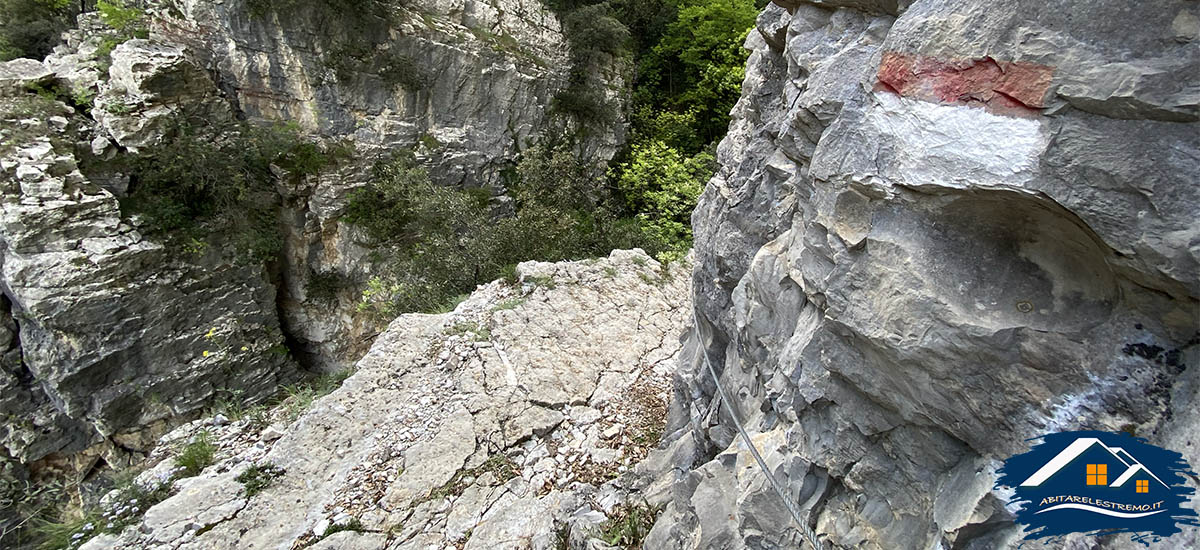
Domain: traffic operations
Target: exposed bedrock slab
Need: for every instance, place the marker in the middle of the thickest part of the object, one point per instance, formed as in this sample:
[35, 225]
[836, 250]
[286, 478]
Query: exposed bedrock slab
[524, 415]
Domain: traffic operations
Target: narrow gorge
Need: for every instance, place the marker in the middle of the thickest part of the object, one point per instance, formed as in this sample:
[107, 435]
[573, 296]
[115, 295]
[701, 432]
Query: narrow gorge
[418, 274]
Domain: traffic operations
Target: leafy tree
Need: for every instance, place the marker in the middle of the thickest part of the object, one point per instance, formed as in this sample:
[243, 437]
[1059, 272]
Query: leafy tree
[593, 29]
[678, 130]
[662, 185]
[115, 14]
[699, 63]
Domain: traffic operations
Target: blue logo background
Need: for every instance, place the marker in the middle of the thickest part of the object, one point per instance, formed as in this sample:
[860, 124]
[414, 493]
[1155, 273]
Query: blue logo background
[1060, 490]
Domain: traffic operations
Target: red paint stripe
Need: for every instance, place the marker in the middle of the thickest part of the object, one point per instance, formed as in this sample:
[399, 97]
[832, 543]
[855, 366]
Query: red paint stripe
[1009, 88]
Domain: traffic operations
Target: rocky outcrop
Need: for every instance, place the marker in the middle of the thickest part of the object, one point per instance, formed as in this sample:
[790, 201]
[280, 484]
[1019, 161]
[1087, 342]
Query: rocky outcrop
[466, 83]
[111, 334]
[938, 229]
[517, 421]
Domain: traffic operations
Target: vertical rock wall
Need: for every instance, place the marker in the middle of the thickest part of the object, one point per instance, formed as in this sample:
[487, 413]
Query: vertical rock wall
[939, 228]
[111, 334]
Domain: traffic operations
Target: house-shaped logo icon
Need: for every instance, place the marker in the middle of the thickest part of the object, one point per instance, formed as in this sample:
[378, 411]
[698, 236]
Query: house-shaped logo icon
[1131, 469]
[1099, 482]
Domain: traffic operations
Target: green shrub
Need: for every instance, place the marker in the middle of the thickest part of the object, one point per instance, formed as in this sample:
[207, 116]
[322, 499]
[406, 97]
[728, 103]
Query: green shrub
[354, 524]
[122, 18]
[511, 303]
[31, 28]
[24, 503]
[628, 525]
[323, 286]
[213, 183]
[593, 29]
[662, 186]
[585, 102]
[443, 241]
[197, 455]
[452, 303]
[258, 477]
[677, 130]
[499, 465]
[299, 397]
[59, 534]
[595, 38]
[128, 505]
[359, 55]
[430, 142]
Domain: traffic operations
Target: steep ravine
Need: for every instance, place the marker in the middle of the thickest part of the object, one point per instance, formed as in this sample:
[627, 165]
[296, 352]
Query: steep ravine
[123, 334]
[939, 228]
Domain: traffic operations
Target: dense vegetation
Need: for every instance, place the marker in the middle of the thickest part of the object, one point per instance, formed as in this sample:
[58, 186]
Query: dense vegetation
[212, 183]
[30, 28]
[443, 241]
[688, 61]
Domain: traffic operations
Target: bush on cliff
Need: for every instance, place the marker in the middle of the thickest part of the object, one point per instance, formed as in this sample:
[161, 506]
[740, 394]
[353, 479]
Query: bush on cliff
[661, 184]
[31, 28]
[214, 184]
[689, 67]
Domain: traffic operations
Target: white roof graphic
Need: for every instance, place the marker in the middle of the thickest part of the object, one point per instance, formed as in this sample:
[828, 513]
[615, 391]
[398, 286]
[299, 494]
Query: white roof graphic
[1078, 447]
[1131, 472]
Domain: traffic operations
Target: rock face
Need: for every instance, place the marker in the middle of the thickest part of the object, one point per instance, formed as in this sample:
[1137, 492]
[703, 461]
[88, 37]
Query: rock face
[513, 421]
[939, 228]
[108, 333]
[467, 83]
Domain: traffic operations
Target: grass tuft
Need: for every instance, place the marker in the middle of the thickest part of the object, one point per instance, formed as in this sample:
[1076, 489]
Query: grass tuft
[197, 455]
[259, 477]
[629, 525]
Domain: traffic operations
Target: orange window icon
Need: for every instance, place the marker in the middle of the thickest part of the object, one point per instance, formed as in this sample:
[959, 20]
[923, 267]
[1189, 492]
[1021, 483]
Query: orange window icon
[1097, 474]
[1143, 486]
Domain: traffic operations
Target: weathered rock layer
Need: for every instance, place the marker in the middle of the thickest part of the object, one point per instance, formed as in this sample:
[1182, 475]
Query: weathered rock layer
[515, 422]
[938, 229]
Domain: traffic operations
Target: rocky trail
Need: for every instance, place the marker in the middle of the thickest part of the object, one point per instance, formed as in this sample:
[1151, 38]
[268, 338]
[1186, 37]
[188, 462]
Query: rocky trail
[519, 420]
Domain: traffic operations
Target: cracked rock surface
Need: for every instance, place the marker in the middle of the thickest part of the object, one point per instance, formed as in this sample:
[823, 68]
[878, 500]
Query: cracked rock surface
[527, 412]
[939, 228]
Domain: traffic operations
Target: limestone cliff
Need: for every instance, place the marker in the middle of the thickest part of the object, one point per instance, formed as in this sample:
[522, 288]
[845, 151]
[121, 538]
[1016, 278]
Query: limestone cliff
[939, 228]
